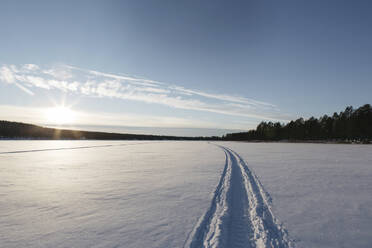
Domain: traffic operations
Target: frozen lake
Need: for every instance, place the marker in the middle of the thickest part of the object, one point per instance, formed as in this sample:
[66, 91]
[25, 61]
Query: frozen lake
[172, 194]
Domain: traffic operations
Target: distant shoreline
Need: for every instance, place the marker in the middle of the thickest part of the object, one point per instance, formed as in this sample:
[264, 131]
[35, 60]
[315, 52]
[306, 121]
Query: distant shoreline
[242, 141]
[306, 142]
[24, 131]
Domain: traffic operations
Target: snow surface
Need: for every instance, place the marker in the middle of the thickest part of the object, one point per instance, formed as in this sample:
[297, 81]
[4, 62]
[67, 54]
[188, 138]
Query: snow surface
[321, 192]
[240, 214]
[145, 195]
[184, 194]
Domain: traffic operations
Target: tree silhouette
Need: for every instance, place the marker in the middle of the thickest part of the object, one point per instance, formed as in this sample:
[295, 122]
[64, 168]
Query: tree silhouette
[348, 125]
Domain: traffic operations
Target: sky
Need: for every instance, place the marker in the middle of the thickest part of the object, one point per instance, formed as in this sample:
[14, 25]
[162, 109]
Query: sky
[182, 67]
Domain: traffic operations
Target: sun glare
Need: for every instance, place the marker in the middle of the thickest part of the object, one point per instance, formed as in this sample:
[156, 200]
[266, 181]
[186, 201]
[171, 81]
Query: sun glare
[60, 115]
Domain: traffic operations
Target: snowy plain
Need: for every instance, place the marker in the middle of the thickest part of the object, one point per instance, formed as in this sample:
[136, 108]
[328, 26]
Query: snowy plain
[321, 192]
[169, 193]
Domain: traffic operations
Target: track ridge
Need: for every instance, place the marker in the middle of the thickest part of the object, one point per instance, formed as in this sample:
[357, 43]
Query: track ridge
[240, 213]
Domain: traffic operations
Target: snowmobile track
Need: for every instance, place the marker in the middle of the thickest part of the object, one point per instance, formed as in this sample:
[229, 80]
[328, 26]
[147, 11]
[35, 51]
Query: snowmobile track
[240, 213]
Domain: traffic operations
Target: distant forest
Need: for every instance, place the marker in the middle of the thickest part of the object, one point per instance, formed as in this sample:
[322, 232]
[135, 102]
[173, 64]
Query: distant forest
[17, 130]
[350, 125]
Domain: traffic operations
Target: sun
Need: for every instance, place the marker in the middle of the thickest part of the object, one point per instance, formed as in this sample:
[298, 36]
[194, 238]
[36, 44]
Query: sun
[60, 115]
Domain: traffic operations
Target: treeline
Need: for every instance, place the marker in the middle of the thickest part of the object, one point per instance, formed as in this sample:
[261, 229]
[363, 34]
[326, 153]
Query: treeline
[350, 125]
[17, 130]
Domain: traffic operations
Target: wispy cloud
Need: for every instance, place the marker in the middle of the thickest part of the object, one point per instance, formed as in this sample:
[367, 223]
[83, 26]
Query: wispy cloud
[92, 83]
[6, 75]
[24, 89]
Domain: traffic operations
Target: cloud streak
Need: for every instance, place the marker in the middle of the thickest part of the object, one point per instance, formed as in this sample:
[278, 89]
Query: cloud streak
[92, 83]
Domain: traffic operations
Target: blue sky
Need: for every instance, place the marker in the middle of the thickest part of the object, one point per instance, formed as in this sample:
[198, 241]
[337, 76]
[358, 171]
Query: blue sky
[183, 65]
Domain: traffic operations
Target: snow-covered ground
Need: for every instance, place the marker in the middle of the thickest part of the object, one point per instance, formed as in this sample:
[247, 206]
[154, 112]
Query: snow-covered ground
[184, 194]
[321, 192]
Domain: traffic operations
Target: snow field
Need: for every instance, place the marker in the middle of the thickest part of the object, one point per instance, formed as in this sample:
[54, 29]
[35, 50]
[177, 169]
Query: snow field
[322, 193]
[147, 195]
[184, 194]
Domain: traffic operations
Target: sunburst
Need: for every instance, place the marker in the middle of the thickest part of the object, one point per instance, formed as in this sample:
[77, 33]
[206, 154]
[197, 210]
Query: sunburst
[60, 115]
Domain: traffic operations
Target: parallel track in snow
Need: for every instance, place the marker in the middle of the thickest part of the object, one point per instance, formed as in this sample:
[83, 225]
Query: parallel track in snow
[240, 213]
